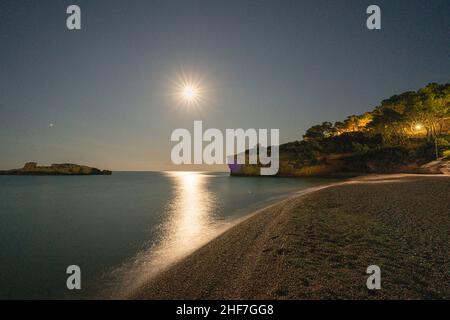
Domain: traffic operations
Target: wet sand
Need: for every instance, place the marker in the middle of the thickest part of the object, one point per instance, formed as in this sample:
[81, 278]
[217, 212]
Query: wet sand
[318, 245]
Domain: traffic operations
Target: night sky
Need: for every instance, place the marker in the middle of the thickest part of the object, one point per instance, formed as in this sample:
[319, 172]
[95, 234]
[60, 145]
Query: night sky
[108, 88]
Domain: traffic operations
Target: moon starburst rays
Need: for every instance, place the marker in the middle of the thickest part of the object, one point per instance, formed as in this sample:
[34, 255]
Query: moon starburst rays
[189, 91]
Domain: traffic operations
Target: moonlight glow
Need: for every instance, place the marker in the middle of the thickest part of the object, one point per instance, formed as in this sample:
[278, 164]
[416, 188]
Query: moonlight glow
[189, 91]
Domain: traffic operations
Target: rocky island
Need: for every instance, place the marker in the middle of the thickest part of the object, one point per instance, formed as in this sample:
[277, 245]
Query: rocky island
[65, 169]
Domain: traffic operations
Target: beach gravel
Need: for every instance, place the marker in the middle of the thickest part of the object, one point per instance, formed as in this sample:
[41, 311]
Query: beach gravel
[319, 245]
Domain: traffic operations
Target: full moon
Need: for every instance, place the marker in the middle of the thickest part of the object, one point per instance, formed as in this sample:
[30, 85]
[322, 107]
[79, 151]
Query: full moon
[189, 93]
[189, 90]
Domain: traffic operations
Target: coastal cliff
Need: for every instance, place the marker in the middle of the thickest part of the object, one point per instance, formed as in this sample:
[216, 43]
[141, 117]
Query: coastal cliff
[347, 165]
[406, 133]
[65, 169]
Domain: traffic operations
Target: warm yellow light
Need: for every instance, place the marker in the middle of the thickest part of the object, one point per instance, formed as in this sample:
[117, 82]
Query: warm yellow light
[418, 127]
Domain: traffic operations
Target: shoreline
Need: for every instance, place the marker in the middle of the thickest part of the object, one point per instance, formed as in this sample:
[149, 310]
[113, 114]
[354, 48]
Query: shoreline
[241, 262]
[130, 277]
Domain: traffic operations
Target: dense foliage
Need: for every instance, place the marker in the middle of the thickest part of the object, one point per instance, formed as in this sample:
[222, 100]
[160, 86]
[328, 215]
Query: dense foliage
[405, 126]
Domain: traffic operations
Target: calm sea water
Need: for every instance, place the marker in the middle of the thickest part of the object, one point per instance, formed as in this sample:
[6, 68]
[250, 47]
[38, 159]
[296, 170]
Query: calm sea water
[119, 229]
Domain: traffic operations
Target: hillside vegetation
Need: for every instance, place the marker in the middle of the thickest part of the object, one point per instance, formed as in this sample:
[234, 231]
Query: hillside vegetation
[399, 135]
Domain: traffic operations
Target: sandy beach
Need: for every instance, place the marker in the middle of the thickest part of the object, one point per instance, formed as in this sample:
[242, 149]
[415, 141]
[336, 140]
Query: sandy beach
[318, 246]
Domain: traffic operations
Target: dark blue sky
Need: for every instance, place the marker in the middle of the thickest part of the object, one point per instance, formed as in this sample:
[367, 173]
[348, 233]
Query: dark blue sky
[266, 64]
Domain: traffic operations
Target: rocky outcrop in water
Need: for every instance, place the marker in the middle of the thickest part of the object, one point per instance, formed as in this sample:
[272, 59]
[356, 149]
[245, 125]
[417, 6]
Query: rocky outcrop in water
[65, 169]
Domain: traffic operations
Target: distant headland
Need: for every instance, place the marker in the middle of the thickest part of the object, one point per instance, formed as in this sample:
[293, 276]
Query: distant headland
[407, 133]
[65, 169]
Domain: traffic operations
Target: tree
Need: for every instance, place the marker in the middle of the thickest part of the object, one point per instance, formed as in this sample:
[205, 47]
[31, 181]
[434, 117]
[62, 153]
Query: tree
[319, 132]
[429, 108]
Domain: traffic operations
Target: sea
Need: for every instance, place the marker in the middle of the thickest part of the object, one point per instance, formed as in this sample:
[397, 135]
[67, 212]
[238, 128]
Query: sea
[118, 230]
